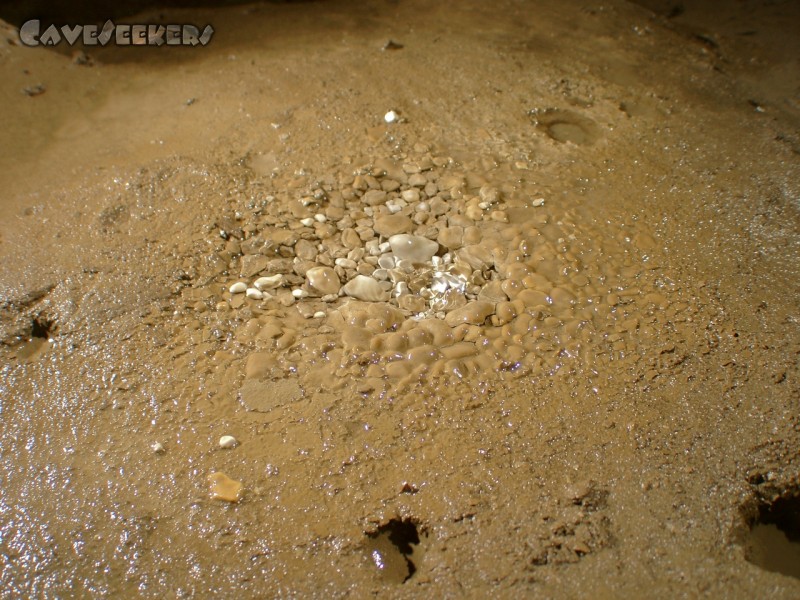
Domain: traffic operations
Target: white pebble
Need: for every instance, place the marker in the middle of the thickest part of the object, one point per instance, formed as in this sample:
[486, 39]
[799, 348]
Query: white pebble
[538, 202]
[390, 117]
[158, 448]
[320, 218]
[307, 222]
[298, 293]
[423, 207]
[254, 294]
[386, 261]
[320, 314]
[227, 442]
[268, 283]
[394, 208]
[385, 247]
[484, 205]
[345, 263]
[238, 287]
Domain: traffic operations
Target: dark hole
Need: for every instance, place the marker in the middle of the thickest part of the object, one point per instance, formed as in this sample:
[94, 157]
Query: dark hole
[774, 542]
[41, 328]
[392, 548]
[784, 513]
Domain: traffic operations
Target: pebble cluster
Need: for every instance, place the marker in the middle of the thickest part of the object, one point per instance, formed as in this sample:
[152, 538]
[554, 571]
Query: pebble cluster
[416, 266]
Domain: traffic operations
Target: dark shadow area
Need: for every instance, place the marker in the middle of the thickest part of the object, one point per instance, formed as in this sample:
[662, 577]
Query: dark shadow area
[392, 547]
[774, 542]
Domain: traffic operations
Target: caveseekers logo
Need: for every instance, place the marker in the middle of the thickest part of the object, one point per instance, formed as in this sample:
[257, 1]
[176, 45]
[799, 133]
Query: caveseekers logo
[31, 34]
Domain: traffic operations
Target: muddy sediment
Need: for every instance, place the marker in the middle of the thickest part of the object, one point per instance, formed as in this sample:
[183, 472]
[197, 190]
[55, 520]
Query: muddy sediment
[534, 334]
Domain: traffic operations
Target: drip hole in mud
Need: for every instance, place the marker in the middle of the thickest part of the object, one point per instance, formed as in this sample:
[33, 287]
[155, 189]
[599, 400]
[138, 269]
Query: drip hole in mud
[41, 328]
[774, 539]
[394, 549]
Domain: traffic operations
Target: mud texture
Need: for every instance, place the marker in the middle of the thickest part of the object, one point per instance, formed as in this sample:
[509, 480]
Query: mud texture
[537, 335]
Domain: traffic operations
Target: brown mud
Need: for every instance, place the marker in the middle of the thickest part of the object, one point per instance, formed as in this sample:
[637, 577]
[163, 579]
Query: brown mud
[538, 336]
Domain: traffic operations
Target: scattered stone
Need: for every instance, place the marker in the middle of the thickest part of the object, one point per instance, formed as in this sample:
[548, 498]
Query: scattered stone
[224, 488]
[365, 288]
[374, 197]
[323, 281]
[227, 442]
[389, 225]
[253, 265]
[238, 288]
[158, 448]
[390, 117]
[413, 247]
[473, 313]
[305, 250]
[269, 283]
[254, 294]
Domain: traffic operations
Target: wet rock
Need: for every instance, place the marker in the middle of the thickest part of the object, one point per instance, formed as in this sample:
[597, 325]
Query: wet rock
[224, 488]
[305, 250]
[451, 237]
[389, 225]
[253, 265]
[269, 283]
[374, 197]
[365, 288]
[413, 247]
[226, 442]
[238, 288]
[474, 313]
[323, 280]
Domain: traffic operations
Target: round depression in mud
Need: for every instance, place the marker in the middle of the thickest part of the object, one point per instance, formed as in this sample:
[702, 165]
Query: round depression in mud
[774, 538]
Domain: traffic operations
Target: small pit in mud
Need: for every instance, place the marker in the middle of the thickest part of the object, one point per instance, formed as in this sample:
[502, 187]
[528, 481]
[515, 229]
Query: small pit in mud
[41, 328]
[774, 539]
[36, 343]
[394, 548]
[566, 126]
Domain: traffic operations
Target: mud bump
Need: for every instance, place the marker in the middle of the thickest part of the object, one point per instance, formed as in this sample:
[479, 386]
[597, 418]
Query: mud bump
[566, 126]
[394, 548]
[773, 542]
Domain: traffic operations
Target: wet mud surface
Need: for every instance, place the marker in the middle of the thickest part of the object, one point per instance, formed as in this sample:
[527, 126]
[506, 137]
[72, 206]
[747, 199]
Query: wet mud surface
[537, 335]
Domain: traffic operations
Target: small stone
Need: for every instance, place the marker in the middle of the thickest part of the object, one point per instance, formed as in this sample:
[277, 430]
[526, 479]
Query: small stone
[474, 313]
[390, 117]
[538, 202]
[417, 180]
[224, 488]
[253, 265]
[320, 218]
[238, 288]
[451, 237]
[374, 197]
[307, 222]
[254, 294]
[227, 442]
[320, 314]
[158, 448]
[323, 280]
[413, 247]
[298, 293]
[389, 225]
[350, 238]
[365, 288]
[269, 283]
[305, 250]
